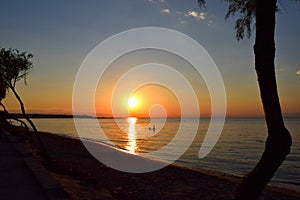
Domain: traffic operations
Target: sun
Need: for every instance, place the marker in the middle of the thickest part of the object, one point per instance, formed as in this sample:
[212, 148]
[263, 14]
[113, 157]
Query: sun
[132, 102]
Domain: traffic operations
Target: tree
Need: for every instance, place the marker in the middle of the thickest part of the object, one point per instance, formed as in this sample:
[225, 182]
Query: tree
[15, 66]
[2, 90]
[3, 87]
[279, 140]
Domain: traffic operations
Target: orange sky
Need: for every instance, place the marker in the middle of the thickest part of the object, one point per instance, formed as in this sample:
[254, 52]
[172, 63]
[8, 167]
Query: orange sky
[242, 100]
[60, 46]
[148, 98]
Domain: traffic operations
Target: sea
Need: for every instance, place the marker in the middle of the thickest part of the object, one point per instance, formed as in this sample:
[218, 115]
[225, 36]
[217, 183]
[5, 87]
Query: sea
[236, 152]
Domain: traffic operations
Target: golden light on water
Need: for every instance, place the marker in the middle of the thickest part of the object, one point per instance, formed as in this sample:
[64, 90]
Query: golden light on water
[131, 144]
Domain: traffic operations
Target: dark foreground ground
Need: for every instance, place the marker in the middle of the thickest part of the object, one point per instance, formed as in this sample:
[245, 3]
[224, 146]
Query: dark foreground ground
[84, 177]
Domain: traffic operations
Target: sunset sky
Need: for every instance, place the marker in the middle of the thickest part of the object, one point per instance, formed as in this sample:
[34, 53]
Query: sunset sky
[61, 34]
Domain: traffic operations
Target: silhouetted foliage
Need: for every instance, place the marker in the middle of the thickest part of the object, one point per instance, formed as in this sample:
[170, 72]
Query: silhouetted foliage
[15, 66]
[279, 140]
[245, 9]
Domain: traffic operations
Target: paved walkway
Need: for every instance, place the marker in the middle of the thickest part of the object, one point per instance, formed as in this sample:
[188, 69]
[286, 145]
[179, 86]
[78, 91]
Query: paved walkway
[17, 181]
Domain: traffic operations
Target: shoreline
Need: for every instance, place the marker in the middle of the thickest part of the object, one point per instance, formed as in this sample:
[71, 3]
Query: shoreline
[227, 176]
[82, 176]
[232, 177]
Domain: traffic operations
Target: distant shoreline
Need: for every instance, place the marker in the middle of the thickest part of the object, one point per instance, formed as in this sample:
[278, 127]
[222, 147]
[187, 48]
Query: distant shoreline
[50, 116]
[36, 116]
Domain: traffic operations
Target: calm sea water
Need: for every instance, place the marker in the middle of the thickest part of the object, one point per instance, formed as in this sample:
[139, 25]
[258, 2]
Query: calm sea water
[236, 152]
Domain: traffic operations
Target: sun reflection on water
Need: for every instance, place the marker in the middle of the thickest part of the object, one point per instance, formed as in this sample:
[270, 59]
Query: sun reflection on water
[131, 144]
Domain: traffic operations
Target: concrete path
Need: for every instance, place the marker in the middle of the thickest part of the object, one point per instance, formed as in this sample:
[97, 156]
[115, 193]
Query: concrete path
[16, 179]
[22, 176]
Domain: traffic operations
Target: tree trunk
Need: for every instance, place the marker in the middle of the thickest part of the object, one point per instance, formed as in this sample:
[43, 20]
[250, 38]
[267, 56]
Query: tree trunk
[29, 121]
[279, 140]
[9, 117]
[4, 108]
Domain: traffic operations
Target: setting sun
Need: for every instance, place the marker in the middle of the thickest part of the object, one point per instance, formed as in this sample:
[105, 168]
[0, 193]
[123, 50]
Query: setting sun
[132, 102]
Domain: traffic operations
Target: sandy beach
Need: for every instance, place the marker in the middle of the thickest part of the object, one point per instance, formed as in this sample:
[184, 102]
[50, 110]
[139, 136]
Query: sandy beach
[84, 177]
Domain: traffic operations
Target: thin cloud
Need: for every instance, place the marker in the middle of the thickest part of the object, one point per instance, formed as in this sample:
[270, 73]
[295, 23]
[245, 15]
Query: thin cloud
[196, 15]
[156, 1]
[166, 11]
[298, 72]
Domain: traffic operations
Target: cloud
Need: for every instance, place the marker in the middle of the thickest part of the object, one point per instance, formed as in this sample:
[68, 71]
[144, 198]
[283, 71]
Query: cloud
[298, 72]
[196, 15]
[156, 1]
[166, 11]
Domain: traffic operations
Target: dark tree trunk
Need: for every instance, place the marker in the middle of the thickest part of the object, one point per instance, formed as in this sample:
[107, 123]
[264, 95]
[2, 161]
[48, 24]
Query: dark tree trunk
[29, 121]
[4, 108]
[9, 117]
[23, 109]
[279, 140]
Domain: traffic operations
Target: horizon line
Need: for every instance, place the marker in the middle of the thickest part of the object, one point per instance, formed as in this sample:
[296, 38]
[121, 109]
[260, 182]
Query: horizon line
[61, 115]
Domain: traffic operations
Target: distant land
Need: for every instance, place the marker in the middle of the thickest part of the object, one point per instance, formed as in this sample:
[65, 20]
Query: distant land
[34, 115]
[17, 115]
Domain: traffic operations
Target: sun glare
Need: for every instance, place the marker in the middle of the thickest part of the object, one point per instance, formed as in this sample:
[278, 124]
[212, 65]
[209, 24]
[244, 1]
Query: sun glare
[132, 102]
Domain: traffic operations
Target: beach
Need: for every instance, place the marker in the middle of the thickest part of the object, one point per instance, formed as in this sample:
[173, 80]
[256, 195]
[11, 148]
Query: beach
[84, 177]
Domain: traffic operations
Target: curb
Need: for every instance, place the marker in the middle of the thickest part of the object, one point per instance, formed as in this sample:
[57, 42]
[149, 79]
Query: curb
[52, 189]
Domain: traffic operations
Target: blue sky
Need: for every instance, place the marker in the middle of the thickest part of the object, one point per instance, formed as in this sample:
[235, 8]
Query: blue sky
[60, 34]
